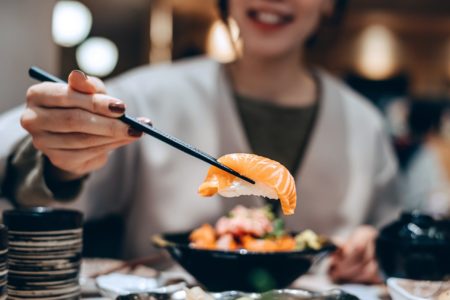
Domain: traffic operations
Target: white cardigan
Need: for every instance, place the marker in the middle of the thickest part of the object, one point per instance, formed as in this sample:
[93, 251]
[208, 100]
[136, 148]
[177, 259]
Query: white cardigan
[345, 180]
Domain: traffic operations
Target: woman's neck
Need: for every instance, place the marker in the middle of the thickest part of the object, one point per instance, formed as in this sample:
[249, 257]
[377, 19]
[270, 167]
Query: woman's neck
[284, 81]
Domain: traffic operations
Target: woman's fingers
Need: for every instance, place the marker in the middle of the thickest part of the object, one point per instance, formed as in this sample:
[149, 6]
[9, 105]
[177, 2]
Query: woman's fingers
[347, 271]
[357, 252]
[360, 246]
[77, 153]
[82, 161]
[72, 141]
[75, 125]
[58, 95]
[56, 120]
[361, 273]
[370, 274]
[82, 83]
[81, 92]
[355, 260]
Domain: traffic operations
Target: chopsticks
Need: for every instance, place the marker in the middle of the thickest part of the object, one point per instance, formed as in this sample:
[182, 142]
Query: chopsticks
[42, 75]
[131, 264]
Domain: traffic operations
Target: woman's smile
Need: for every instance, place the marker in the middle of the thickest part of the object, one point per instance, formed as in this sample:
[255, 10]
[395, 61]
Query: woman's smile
[275, 28]
[269, 19]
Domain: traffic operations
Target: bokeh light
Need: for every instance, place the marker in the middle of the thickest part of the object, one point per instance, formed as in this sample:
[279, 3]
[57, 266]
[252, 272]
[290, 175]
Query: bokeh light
[97, 56]
[220, 45]
[448, 59]
[161, 32]
[71, 23]
[377, 53]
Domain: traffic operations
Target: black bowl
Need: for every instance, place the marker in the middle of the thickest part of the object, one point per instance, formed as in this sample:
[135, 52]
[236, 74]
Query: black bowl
[415, 247]
[239, 270]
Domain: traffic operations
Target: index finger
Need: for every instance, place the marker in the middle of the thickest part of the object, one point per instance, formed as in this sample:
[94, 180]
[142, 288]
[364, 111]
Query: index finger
[59, 95]
[82, 83]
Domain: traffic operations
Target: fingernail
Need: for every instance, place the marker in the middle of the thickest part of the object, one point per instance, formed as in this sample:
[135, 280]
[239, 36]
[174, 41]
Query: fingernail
[81, 73]
[134, 132]
[117, 107]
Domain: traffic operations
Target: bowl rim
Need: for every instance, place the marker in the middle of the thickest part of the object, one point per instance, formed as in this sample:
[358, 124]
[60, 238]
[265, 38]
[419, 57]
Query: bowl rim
[414, 242]
[42, 218]
[394, 287]
[160, 241]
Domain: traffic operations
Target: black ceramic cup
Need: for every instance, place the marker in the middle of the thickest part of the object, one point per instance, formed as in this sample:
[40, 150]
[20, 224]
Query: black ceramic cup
[44, 257]
[3, 260]
[415, 246]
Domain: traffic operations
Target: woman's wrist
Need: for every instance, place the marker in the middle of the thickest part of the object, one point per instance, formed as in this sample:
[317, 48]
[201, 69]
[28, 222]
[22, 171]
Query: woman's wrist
[55, 174]
[62, 184]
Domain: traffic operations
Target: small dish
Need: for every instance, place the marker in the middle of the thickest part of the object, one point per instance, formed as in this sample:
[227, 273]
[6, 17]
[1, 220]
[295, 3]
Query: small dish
[116, 284]
[407, 289]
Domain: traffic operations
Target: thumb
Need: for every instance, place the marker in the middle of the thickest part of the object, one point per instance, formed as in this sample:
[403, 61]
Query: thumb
[82, 83]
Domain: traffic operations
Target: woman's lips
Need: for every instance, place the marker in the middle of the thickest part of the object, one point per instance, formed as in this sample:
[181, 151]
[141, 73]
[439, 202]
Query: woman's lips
[269, 20]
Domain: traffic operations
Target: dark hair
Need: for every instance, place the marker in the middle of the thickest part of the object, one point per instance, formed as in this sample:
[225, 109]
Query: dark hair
[223, 10]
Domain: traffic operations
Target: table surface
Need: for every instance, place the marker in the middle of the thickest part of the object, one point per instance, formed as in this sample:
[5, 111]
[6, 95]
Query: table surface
[317, 281]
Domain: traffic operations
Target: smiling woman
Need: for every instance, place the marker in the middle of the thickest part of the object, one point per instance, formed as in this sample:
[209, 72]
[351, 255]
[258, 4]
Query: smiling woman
[269, 101]
[265, 26]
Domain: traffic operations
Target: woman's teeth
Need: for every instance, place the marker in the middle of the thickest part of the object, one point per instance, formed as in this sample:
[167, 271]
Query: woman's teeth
[269, 18]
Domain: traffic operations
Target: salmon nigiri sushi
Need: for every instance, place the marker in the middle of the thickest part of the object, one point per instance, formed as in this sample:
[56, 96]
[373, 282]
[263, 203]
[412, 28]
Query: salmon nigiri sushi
[272, 180]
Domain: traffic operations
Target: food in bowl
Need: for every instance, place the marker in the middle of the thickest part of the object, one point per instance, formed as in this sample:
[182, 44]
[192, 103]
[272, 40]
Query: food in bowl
[243, 270]
[272, 180]
[252, 253]
[252, 229]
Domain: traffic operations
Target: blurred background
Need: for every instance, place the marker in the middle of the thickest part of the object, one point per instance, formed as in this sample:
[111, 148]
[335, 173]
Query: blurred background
[386, 50]
[396, 53]
[383, 48]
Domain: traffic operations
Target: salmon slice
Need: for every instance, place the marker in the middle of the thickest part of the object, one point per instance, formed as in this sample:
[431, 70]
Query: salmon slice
[272, 180]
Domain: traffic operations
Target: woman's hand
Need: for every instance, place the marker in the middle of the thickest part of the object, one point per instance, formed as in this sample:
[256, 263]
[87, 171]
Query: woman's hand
[75, 125]
[355, 260]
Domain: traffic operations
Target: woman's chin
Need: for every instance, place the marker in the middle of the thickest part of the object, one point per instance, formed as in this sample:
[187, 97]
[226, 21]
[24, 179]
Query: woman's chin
[271, 51]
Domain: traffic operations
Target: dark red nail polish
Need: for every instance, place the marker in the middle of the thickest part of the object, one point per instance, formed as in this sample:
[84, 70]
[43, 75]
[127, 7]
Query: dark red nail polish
[117, 107]
[134, 132]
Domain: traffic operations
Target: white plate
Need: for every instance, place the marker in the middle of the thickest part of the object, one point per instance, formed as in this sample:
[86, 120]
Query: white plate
[405, 289]
[117, 284]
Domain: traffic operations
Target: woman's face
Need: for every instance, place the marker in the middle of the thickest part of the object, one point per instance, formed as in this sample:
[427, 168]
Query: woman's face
[273, 28]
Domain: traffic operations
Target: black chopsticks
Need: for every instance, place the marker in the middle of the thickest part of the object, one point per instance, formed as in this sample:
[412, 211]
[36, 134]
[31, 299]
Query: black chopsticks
[42, 75]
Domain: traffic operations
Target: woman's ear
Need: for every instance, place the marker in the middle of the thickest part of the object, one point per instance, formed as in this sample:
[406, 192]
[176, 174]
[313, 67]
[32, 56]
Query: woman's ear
[327, 8]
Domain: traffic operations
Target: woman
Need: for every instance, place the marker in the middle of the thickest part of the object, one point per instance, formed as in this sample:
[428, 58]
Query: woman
[267, 101]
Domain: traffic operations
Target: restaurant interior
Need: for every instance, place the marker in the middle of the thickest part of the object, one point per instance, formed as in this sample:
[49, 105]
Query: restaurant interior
[394, 53]
[409, 39]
